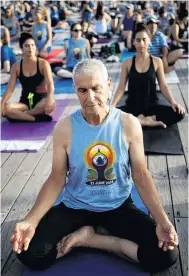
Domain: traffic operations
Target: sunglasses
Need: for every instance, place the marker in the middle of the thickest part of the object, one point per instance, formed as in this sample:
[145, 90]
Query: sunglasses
[77, 30]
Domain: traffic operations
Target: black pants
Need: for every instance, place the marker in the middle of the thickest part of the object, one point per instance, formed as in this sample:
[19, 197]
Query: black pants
[163, 113]
[126, 222]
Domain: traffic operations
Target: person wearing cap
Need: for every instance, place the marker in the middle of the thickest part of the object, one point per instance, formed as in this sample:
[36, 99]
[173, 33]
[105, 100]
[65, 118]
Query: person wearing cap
[128, 24]
[42, 33]
[159, 47]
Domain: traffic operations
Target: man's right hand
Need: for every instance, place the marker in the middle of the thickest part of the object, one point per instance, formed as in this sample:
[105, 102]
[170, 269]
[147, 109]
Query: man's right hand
[22, 236]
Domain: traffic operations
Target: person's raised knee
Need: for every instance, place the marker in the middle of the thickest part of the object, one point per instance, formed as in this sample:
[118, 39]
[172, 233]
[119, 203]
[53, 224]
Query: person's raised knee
[36, 261]
[157, 260]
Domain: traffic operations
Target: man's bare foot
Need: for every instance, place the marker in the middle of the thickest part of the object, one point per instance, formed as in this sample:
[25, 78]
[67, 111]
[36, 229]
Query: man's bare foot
[78, 238]
[150, 121]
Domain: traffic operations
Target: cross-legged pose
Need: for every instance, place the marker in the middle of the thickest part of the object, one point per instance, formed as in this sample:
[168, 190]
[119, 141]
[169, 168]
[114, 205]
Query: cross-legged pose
[104, 149]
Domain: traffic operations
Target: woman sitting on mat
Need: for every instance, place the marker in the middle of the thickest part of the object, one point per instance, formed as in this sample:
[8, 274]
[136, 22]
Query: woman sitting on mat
[12, 23]
[34, 74]
[102, 21]
[77, 48]
[179, 32]
[142, 101]
[42, 33]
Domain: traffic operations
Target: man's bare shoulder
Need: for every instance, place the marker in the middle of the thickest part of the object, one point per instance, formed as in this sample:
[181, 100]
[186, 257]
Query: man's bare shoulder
[62, 131]
[131, 126]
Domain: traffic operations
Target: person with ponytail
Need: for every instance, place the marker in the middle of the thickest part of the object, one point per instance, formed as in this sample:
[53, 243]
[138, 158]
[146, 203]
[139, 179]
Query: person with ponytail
[140, 72]
[36, 102]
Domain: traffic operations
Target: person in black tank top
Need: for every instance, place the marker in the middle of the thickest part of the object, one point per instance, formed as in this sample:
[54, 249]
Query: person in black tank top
[35, 103]
[179, 33]
[142, 100]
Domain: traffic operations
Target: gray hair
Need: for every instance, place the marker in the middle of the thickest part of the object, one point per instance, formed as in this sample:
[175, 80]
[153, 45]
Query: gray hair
[89, 66]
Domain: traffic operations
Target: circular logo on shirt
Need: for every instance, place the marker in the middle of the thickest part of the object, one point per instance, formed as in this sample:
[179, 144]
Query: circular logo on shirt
[77, 53]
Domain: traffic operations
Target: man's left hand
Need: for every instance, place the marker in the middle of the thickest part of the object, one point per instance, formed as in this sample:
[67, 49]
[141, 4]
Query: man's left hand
[178, 108]
[49, 105]
[167, 236]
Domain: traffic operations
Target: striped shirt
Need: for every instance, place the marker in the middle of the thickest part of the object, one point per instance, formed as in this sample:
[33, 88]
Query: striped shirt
[157, 43]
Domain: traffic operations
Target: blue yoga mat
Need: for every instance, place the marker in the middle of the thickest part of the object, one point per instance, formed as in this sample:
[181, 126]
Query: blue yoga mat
[90, 262]
[4, 87]
[63, 86]
[125, 54]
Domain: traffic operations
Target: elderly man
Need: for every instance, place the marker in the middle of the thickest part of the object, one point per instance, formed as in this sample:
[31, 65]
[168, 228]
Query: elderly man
[95, 147]
[159, 47]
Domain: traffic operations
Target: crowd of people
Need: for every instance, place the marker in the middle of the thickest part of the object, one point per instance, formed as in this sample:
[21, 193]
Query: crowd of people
[97, 176]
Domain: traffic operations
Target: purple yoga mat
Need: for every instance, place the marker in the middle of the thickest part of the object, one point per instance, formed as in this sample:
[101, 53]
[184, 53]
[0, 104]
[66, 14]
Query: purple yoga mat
[32, 131]
[88, 262]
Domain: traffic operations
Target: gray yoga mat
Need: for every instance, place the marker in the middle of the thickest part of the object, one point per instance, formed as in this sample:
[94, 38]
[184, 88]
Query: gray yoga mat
[162, 141]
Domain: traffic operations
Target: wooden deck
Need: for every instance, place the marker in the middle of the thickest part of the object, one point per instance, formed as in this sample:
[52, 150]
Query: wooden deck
[22, 179]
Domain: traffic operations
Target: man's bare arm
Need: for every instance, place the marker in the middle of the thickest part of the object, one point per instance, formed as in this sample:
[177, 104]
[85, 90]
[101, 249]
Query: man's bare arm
[57, 178]
[141, 176]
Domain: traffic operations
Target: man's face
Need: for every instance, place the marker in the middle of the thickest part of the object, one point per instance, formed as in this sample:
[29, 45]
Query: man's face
[92, 91]
[152, 27]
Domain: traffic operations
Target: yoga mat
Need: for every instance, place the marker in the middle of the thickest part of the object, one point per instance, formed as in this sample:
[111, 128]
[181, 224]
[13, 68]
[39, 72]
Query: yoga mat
[17, 137]
[63, 86]
[90, 262]
[162, 140]
[103, 40]
[184, 56]
[125, 54]
[54, 53]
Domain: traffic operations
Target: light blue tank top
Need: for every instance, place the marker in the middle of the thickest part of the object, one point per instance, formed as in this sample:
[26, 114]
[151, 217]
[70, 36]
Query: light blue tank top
[11, 26]
[76, 52]
[40, 35]
[99, 176]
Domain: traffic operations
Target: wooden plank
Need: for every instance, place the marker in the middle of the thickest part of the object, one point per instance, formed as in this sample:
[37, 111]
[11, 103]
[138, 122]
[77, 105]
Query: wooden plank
[3, 216]
[4, 157]
[184, 92]
[162, 184]
[13, 267]
[184, 68]
[183, 130]
[24, 202]
[182, 230]
[157, 166]
[20, 178]
[179, 184]
[182, 125]
[10, 166]
[180, 73]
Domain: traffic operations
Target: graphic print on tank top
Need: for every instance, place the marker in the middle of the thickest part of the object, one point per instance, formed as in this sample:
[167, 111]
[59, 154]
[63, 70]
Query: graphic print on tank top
[100, 158]
[77, 53]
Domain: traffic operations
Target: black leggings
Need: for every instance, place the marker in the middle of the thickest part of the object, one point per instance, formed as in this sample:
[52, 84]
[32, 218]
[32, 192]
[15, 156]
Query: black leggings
[163, 113]
[127, 222]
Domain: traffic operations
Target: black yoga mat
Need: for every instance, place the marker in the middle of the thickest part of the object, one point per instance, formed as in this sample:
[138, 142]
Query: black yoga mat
[162, 140]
